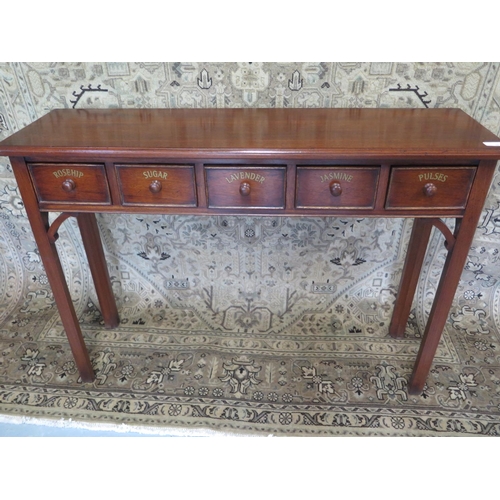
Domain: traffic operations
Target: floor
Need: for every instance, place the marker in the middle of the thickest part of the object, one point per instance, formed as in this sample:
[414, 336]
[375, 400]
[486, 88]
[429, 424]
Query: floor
[34, 430]
[16, 426]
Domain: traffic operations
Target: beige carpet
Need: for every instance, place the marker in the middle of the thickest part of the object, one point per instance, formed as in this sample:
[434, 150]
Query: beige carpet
[247, 326]
[241, 324]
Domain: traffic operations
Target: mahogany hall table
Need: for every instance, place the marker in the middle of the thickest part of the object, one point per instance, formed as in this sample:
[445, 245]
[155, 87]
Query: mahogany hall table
[426, 164]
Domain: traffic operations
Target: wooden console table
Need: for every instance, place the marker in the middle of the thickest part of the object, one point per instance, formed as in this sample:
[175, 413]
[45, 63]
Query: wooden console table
[424, 164]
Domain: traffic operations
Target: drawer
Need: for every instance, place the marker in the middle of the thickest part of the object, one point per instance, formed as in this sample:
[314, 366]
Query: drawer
[429, 187]
[246, 186]
[70, 183]
[336, 187]
[157, 184]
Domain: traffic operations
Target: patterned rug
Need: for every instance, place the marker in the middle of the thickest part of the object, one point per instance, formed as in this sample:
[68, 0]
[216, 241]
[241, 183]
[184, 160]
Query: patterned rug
[272, 326]
[249, 325]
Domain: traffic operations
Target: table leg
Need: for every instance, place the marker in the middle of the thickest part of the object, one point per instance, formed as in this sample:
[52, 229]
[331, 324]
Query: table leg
[97, 263]
[417, 247]
[62, 297]
[450, 277]
[39, 222]
[437, 320]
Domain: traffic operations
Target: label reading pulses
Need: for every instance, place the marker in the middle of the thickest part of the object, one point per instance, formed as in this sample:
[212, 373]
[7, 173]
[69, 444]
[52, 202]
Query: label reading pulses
[432, 176]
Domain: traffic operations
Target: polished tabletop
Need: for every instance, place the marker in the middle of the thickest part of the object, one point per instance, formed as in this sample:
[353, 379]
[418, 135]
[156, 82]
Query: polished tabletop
[388, 133]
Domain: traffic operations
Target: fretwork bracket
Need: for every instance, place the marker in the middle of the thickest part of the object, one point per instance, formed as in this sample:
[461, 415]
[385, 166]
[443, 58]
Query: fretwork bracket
[56, 224]
[450, 237]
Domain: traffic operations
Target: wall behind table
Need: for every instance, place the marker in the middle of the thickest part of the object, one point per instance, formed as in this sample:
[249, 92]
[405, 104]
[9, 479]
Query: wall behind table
[29, 90]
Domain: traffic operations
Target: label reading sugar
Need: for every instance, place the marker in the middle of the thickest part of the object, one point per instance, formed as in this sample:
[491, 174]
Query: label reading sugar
[155, 174]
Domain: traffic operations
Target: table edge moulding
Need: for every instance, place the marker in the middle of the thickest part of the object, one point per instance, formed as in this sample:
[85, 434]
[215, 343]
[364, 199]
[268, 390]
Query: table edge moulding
[424, 164]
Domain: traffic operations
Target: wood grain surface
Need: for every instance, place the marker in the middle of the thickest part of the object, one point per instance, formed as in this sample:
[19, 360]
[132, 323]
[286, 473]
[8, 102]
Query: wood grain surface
[364, 162]
[390, 133]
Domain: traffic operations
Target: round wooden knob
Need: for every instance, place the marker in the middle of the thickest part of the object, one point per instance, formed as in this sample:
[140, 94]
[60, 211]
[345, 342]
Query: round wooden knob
[69, 185]
[244, 189]
[335, 189]
[155, 187]
[430, 189]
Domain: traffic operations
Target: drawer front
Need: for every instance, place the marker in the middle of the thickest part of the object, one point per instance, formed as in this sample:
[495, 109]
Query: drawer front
[246, 186]
[153, 184]
[336, 187]
[429, 187]
[70, 183]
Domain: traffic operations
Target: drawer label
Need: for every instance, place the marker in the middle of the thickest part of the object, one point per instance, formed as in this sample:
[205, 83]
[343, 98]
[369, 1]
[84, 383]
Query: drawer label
[252, 176]
[155, 174]
[68, 172]
[433, 176]
[336, 176]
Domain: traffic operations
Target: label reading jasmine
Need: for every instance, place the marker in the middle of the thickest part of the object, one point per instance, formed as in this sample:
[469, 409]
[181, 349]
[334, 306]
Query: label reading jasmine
[336, 176]
[242, 176]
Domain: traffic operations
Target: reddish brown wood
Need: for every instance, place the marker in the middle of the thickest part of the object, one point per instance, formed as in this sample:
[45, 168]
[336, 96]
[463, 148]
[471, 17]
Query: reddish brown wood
[89, 161]
[417, 247]
[155, 187]
[56, 224]
[383, 183]
[336, 187]
[50, 258]
[116, 197]
[450, 277]
[290, 181]
[245, 189]
[250, 133]
[200, 187]
[157, 184]
[446, 232]
[70, 183]
[99, 269]
[429, 187]
[247, 186]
